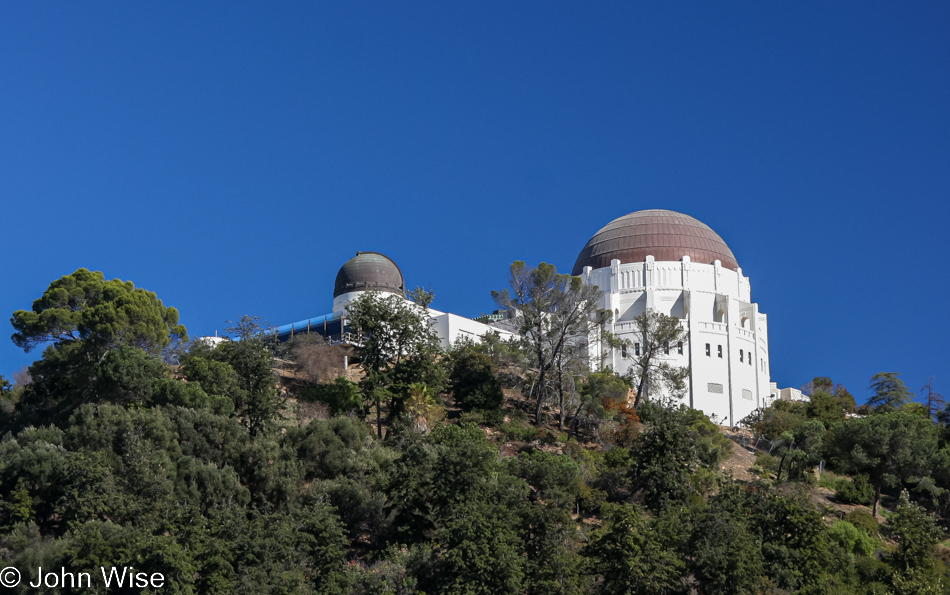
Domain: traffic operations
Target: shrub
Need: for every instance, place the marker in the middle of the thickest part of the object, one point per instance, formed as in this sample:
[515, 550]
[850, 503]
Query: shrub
[766, 463]
[856, 491]
[852, 539]
[472, 417]
[829, 480]
[519, 431]
[473, 380]
[482, 417]
[341, 395]
[865, 521]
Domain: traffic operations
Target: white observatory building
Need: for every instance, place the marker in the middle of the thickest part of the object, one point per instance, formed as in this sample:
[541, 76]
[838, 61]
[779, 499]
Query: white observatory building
[668, 262]
[374, 271]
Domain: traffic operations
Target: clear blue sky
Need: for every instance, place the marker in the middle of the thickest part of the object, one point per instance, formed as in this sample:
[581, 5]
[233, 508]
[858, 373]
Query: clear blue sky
[231, 156]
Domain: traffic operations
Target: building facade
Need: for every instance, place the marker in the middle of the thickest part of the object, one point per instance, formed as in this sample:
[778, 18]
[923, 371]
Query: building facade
[374, 271]
[668, 262]
[654, 260]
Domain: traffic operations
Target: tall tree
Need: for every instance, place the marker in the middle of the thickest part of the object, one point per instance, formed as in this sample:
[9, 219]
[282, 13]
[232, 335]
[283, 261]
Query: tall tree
[651, 374]
[101, 315]
[597, 399]
[473, 380]
[935, 401]
[631, 555]
[839, 392]
[916, 533]
[888, 447]
[398, 348]
[890, 392]
[89, 325]
[550, 311]
[252, 357]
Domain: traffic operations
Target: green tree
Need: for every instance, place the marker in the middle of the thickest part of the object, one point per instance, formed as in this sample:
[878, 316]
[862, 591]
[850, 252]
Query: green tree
[215, 377]
[101, 315]
[650, 373]
[845, 398]
[550, 311]
[631, 556]
[801, 448]
[127, 375]
[890, 393]
[825, 407]
[479, 552]
[99, 336]
[553, 564]
[726, 557]
[778, 418]
[555, 478]
[598, 395]
[665, 457]
[437, 474]
[792, 536]
[251, 357]
[398, 347]
[341, 395]
[473, 379]
[919, 569]
[888, 447]
[935, 402]
[852, 539]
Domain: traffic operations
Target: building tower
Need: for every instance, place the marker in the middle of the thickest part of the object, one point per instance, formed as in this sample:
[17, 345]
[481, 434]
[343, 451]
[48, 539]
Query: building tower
[668, 262]
[367, 271]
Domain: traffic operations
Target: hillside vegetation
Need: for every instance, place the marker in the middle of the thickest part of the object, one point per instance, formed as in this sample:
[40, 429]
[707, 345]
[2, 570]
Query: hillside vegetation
[257, 467]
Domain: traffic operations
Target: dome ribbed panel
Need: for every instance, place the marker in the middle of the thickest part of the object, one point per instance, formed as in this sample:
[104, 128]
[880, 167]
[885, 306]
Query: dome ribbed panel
[665, 235]
[369, 271]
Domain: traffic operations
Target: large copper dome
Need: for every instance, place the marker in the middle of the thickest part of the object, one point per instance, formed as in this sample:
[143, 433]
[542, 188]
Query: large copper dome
[665, 235]
[369, 271]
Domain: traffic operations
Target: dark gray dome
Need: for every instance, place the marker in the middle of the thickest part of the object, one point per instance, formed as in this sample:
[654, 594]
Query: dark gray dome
[369, 271]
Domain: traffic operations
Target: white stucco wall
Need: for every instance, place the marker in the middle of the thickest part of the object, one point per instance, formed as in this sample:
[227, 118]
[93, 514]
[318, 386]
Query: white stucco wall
[450, 328]
[714, 307]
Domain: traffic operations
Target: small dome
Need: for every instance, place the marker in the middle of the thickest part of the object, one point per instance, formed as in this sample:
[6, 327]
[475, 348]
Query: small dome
[665, 235]
[369, 271]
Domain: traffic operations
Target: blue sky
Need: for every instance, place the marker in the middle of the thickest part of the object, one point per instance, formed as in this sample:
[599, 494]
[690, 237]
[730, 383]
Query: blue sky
[231, 156]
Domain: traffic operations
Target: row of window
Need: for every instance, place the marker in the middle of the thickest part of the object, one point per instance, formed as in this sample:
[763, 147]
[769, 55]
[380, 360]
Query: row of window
[742, 354]
[636, 349]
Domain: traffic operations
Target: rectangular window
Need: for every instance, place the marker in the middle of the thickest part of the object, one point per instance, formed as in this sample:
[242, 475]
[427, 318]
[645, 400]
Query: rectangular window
[720, 351]
[679, 348]
[714, 387]
[740, 357]
[707, 349]
[666, 349]
[636, 348]
[747, 394]
[623, 350]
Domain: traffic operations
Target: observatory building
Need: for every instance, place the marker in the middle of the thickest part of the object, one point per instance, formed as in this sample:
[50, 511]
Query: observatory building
[374, 271]
[653, 260]
[668, 262]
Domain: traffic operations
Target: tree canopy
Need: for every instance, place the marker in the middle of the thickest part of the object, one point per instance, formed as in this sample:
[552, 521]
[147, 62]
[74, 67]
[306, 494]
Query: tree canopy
[550, 311]
[652, 375]
[205, 473]
[85, 308]
[397, 347]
